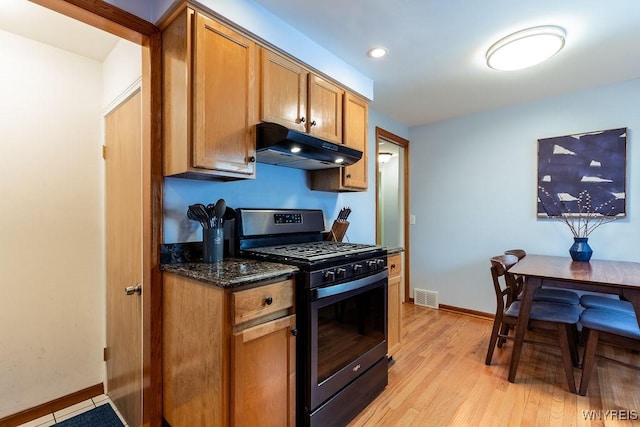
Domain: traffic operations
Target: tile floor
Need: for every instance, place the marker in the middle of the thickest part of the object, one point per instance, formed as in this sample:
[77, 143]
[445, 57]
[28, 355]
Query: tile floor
[71, 411]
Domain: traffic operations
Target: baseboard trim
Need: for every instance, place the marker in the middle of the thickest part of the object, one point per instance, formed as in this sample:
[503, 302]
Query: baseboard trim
[466, 311]
[459, 310]
[52, 406]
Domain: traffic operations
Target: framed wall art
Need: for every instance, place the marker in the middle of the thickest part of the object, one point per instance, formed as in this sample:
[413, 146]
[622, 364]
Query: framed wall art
[583, 173]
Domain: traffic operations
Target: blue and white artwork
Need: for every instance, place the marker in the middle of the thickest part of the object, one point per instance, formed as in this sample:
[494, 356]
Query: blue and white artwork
[573, 166]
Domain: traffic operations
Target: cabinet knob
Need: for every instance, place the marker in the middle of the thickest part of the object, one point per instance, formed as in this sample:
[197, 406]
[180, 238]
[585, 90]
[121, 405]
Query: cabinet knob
[302, 120]
[294, 332]
[313, 123]
[252, 159]
[348, 175]
[268, 300]
[393, 266]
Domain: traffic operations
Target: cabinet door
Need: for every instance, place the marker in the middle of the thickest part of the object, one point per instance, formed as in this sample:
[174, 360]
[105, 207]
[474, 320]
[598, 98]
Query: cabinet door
[284, 92]
[263, 374]
[356, 111]
[393, 314]
[225, 99]
[325, 109]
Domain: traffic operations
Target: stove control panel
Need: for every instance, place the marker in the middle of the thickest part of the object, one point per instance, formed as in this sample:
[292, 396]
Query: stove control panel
[287, 218]
[349, 271]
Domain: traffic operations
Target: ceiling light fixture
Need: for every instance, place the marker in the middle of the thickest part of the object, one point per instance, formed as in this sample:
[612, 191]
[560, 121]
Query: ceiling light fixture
[384, 157]
[525, 48]
[377, 52]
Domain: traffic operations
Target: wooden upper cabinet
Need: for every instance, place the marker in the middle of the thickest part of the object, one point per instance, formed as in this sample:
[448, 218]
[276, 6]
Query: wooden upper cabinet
[211, 99]
[284, 92]
[354, 177]
[325, 109]
[300, 100]
[356, 113]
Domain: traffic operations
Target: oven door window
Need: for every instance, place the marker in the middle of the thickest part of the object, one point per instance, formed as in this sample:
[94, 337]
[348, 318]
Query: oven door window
[349, 326]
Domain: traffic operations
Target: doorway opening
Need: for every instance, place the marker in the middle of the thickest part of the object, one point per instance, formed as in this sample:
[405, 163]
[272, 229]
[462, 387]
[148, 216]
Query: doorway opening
[392, 196]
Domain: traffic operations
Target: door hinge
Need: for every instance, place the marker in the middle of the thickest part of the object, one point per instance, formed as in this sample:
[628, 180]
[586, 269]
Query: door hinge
[104, 152]
[105, 353]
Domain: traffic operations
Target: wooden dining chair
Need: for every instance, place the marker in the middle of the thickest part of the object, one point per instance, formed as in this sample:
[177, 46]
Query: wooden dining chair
[556, 318]
[563, 296]
[612, 326]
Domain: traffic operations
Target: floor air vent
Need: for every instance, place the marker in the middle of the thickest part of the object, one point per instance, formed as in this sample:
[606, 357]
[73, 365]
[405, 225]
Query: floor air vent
[425, 298]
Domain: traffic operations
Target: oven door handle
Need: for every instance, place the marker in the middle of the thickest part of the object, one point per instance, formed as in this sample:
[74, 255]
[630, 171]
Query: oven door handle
[349, 286]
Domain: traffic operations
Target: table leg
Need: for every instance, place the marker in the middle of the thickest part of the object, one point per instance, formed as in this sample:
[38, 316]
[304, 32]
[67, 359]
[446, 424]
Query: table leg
[530, 286]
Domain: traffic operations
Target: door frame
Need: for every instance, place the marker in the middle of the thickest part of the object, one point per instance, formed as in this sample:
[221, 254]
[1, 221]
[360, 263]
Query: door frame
[404, 143]
[123, 24]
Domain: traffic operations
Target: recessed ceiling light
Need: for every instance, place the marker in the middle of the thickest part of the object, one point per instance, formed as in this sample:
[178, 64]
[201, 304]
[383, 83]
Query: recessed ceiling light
[377, 52]
[525, 48]
[295, 149]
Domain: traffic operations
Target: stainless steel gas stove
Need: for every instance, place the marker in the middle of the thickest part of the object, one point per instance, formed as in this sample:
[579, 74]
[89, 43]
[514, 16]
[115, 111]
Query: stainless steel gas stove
[341, 310]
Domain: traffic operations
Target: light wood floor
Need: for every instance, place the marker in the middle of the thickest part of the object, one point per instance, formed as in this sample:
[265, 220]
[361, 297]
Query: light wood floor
[439, 379]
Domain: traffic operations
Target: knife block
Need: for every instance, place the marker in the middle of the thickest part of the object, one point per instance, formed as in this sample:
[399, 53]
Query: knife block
[338, 230]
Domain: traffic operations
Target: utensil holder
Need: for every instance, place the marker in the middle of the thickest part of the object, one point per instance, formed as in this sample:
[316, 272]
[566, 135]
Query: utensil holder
[213, 244]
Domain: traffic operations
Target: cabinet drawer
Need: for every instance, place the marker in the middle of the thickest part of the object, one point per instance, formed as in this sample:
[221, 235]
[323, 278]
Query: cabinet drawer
[394, 264]
[257, 302]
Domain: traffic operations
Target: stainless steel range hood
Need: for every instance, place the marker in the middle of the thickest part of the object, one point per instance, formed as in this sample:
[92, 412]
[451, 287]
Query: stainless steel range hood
[278, 145]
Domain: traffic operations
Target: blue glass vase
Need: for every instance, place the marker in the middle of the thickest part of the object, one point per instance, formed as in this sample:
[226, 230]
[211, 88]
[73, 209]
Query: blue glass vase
[580, 250]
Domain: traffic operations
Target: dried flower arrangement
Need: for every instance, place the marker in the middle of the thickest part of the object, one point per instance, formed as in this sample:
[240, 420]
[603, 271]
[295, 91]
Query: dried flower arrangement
[585, 219]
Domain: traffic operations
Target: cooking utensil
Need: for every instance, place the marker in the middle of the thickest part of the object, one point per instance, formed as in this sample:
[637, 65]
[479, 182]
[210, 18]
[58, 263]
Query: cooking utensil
[211, 210]
[198, 212]
[220, 208]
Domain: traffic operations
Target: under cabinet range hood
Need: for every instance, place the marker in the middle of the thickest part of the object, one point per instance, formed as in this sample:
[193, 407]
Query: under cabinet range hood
[278, 145]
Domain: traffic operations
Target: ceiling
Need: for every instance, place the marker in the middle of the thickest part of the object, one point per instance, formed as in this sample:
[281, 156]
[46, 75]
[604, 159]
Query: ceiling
[38, 23]
[435, 68]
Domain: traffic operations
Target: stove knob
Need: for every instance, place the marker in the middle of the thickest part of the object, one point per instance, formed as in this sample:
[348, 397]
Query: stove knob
[380, 263]
[372, 265]
[357, 268]
[329, 275]
[341, 273]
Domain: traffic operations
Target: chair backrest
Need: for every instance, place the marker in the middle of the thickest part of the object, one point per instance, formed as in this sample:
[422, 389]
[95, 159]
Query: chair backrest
[517, 285]
[503, 288]
[520, 253]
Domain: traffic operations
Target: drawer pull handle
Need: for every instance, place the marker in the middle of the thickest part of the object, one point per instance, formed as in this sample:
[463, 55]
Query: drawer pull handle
[268, 300]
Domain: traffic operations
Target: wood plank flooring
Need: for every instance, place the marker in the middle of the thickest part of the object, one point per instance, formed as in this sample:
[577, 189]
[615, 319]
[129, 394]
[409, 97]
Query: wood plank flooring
[439, 379]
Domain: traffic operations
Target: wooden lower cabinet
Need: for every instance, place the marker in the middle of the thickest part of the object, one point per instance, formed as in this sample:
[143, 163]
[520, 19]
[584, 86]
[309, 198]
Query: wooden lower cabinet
[228, 355]
[394, 300]
[262, 358]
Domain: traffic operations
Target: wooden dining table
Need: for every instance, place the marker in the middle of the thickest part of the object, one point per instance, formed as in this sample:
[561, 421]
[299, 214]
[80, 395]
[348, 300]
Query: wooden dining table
[612, 277]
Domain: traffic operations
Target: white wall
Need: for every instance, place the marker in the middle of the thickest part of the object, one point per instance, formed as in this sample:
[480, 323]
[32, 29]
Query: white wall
[51, 228]
[121, 74]
[473, 190]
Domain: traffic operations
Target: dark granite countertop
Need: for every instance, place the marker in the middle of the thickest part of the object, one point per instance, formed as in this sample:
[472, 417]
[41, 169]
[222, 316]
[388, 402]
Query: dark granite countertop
[394, 250]
[232, 272]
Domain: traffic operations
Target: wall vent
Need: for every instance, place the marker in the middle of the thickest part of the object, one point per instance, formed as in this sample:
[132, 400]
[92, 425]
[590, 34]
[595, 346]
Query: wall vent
[425, 298]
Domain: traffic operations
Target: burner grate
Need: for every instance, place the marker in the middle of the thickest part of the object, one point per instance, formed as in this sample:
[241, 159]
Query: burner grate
[313, 251]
